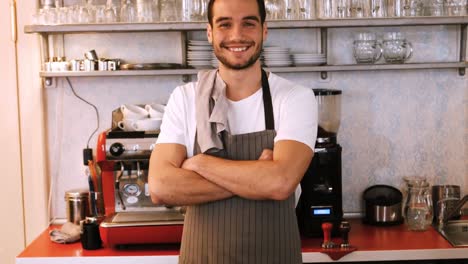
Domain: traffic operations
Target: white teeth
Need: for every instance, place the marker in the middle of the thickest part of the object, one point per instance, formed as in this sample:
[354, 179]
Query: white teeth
[238, 49]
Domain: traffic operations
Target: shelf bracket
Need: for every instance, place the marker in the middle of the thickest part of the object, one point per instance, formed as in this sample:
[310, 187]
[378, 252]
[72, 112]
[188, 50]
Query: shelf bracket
[324, 75]
[186, 78]
[463, 35]
[461, 71]
[48, 81]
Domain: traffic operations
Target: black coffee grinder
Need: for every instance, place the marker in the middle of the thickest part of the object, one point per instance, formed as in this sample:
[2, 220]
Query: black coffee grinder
[321, 197]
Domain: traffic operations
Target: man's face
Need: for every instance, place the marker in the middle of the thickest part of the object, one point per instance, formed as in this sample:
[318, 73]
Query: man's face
[237, 33]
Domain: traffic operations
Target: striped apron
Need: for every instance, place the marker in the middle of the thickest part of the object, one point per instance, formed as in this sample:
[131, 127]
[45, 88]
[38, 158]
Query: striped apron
[238, 230]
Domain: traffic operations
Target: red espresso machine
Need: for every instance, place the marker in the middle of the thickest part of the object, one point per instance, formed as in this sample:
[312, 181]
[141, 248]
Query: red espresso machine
[130, 216]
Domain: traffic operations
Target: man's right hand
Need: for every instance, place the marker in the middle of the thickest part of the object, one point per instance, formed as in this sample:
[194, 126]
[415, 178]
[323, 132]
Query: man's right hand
[267, 154]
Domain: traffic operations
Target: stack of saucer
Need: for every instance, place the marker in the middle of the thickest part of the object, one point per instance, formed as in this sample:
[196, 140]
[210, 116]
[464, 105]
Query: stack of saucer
[199, 54]
[308, 59]
[276, 57]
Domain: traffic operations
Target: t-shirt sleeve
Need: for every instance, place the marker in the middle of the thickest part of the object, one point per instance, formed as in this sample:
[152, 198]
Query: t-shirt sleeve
[173, 124]
[298, 117]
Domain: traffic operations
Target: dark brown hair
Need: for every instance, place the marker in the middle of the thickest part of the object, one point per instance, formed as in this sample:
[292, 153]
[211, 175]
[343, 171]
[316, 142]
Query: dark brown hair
[261, 11]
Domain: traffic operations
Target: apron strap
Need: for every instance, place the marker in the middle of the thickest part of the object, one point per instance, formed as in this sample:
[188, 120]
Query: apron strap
[267, 103]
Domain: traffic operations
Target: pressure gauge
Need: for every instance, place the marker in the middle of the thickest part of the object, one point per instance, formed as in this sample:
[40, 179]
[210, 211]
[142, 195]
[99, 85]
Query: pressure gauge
[132, 189]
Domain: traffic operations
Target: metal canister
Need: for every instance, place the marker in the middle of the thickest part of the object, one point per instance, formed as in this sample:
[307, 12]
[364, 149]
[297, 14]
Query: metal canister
[90, 65]
[75, 65]
[77, 204]
[102, 65]
[445, 199]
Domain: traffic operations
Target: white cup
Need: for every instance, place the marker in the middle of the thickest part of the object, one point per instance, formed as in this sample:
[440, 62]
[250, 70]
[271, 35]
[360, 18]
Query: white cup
[133, 112]
[149, 124]
[155, 110]
[127, 124]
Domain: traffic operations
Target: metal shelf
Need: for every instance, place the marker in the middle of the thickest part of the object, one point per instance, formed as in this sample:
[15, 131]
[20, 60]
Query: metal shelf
[284, 24]
[327, 68]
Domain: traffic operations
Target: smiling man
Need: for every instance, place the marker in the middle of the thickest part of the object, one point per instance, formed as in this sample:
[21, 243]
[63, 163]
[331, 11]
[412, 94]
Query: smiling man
[233, 148]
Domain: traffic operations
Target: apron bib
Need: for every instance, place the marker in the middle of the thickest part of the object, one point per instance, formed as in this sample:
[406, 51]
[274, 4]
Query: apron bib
[238, 230]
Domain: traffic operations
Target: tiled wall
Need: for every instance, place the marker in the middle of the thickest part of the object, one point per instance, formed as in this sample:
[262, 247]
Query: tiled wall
[394, 123]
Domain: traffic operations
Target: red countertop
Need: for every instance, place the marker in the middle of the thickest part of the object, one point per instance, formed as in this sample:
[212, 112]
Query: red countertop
[371, 240]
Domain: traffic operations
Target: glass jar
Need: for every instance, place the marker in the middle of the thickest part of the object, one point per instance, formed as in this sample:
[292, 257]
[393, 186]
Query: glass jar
[418, 209]
[396, 49]
[366, 49]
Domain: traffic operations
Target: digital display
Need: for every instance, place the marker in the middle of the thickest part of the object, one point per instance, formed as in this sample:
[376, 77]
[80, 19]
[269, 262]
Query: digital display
[322, 211]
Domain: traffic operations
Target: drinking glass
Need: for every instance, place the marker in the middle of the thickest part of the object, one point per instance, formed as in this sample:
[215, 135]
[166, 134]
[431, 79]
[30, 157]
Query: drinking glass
[144, 10]
[83, 15]
[359, 8]
[412, 8]
[196, 9]
[341, 8]
[366, 49]
[100, 14]
[292, 7]
[156, 10]
[110, 13]
[306, 9]
[275, 9]
[378, 8]
[435, 8]
[325, 8]
[168, 10]
[128, 12]
[62, 17]
[396, 49]
[89, 8]
[394, 8]
[455, 7]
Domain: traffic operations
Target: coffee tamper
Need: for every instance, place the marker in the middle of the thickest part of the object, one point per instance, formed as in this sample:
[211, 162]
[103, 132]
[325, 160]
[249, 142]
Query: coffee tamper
[344, 230]
[327, 243]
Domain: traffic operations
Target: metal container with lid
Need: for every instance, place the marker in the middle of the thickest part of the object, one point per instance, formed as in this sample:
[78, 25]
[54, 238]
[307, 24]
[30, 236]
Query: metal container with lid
[77, 205]
[382, 205]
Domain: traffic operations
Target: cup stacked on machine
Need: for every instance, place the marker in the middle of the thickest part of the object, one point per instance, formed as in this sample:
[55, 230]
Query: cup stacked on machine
[137, 118]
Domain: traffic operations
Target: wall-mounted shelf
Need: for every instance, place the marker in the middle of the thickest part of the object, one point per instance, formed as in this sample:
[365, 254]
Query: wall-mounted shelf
[351, 67]
[324, 25]
[285, 24]
[186, 73]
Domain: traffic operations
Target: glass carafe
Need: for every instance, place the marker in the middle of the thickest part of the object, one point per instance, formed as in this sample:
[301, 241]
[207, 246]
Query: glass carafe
[418, 205]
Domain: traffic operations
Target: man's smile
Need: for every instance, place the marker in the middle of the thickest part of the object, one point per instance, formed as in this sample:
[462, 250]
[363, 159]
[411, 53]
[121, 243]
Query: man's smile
[237, 48]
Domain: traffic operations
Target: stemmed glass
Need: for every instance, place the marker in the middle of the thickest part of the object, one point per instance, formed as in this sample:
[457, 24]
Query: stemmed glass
[275, 9]
[110, 12]
[128, 12]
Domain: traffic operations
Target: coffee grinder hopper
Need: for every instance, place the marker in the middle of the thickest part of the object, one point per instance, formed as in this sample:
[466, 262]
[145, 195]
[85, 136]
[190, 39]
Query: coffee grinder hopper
[329, 114]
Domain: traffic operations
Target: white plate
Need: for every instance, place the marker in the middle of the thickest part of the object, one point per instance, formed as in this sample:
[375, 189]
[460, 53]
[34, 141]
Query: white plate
[296, 57]
[275, 48]
[279, 63]
[199, 62]
[195, 48]
[308, 63]
[207, 53]
[199, 42]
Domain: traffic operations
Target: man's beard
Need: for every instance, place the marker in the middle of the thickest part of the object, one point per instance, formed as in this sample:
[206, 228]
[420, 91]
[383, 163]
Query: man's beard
[251, 61]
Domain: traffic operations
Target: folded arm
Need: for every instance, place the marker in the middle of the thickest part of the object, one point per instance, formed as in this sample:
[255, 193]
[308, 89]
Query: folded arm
[171, 185]
[258, 179]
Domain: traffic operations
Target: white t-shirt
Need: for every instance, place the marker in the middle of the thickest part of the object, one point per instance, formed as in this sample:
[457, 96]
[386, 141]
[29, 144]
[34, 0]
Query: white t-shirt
[294, 110]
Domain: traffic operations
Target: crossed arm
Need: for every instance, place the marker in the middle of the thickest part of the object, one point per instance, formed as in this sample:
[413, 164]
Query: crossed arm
[175, 180]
